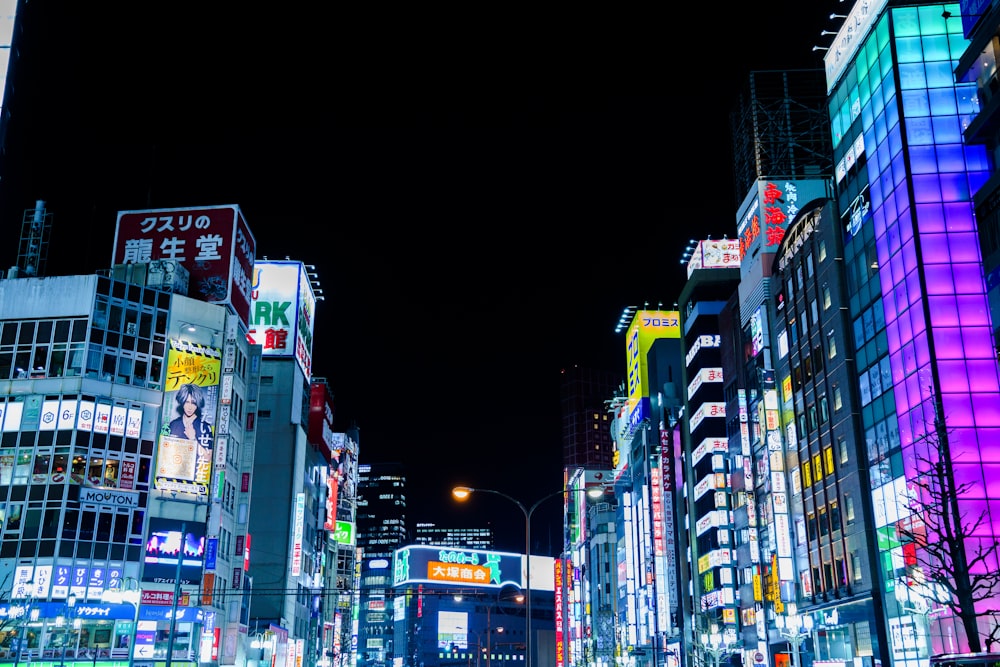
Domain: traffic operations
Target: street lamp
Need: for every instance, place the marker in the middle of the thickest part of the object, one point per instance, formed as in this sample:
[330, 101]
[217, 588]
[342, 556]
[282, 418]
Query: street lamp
[28, 613]
[261, 642]
[796, 629]
[61, 620]
[462, 493]
[714, 644]
[131, 591]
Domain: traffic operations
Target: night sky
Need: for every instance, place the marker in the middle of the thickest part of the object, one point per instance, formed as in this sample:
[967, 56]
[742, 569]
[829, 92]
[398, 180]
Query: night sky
[481, 193]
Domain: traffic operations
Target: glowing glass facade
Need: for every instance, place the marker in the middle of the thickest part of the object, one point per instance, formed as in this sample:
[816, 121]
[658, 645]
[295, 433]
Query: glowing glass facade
[917, 296]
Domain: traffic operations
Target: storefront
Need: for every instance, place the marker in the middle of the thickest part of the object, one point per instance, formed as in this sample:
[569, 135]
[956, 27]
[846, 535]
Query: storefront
[99, 633]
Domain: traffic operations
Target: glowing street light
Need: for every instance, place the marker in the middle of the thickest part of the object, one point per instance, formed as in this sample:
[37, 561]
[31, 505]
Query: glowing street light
[715, 644]
[462, 493]
[795, 628]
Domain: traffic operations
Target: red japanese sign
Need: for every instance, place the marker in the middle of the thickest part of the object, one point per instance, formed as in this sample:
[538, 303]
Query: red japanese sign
[214, 244]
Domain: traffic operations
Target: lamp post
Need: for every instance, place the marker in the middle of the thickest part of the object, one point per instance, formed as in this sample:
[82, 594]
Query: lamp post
[172, 632]
[28, 613]
[260, 642]
[70, 612]
[462, 493]
[133, 596]
[714, 644]
[795, 628]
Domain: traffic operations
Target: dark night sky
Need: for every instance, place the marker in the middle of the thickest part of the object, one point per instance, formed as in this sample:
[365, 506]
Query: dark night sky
[482, 194]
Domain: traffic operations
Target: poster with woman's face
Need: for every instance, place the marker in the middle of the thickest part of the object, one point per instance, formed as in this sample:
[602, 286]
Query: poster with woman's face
[187, 431]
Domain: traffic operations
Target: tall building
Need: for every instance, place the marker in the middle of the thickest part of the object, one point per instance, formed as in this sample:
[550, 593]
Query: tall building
[382, 528]
[708, 535]
[790, 128]
[469, 538]
[586, 601]
[827, 466]
[339, 553]
[928, 382]
[287, 556]
[125, 407]
[586, 423]
[642, 427]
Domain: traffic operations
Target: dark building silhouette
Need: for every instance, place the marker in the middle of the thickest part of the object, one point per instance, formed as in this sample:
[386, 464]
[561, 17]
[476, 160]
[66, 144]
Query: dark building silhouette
[586, 424]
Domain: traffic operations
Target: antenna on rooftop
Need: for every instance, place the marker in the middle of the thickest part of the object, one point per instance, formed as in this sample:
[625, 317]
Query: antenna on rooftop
[33, 250]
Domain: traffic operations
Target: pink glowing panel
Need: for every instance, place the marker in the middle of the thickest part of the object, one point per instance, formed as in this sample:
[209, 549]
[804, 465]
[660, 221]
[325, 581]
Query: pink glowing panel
[978, 342]
[959, 217]
[955, 371]
[930, 218]
[970, 474]
[935, 249]
[986, 409]
[975, 309]
[923, 350]
[940, 280]
[983, 375]
[964, 247]
[957, 407]
[963, 445]
[948, 343]
[968, 278]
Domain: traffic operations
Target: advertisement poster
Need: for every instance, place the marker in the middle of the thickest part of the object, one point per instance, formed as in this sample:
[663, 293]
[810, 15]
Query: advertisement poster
[187, 432]
[174, 548]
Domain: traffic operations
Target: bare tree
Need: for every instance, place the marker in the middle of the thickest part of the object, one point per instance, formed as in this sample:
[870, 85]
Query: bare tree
[954, 558]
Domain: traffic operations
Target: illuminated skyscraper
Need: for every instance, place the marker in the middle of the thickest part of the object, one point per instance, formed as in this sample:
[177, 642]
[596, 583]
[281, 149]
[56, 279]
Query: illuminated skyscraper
[381, 516]
[928, 382]
[586, 423]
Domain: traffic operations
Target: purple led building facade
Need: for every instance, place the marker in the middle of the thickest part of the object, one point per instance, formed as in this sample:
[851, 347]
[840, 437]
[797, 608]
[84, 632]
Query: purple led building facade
[930, 293]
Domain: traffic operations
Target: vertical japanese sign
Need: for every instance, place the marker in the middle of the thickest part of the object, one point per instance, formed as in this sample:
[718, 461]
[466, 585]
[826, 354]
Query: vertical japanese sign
[190, 400]
[299, 525]
[560, 629]
[214, 244]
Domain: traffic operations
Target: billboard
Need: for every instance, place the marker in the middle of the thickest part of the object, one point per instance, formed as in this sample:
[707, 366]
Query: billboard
[767, 211]
[281, 319]
[709, 254]
[187, 431]
[647, 327]
[463, 567]
[213, 243]
[173, 544]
